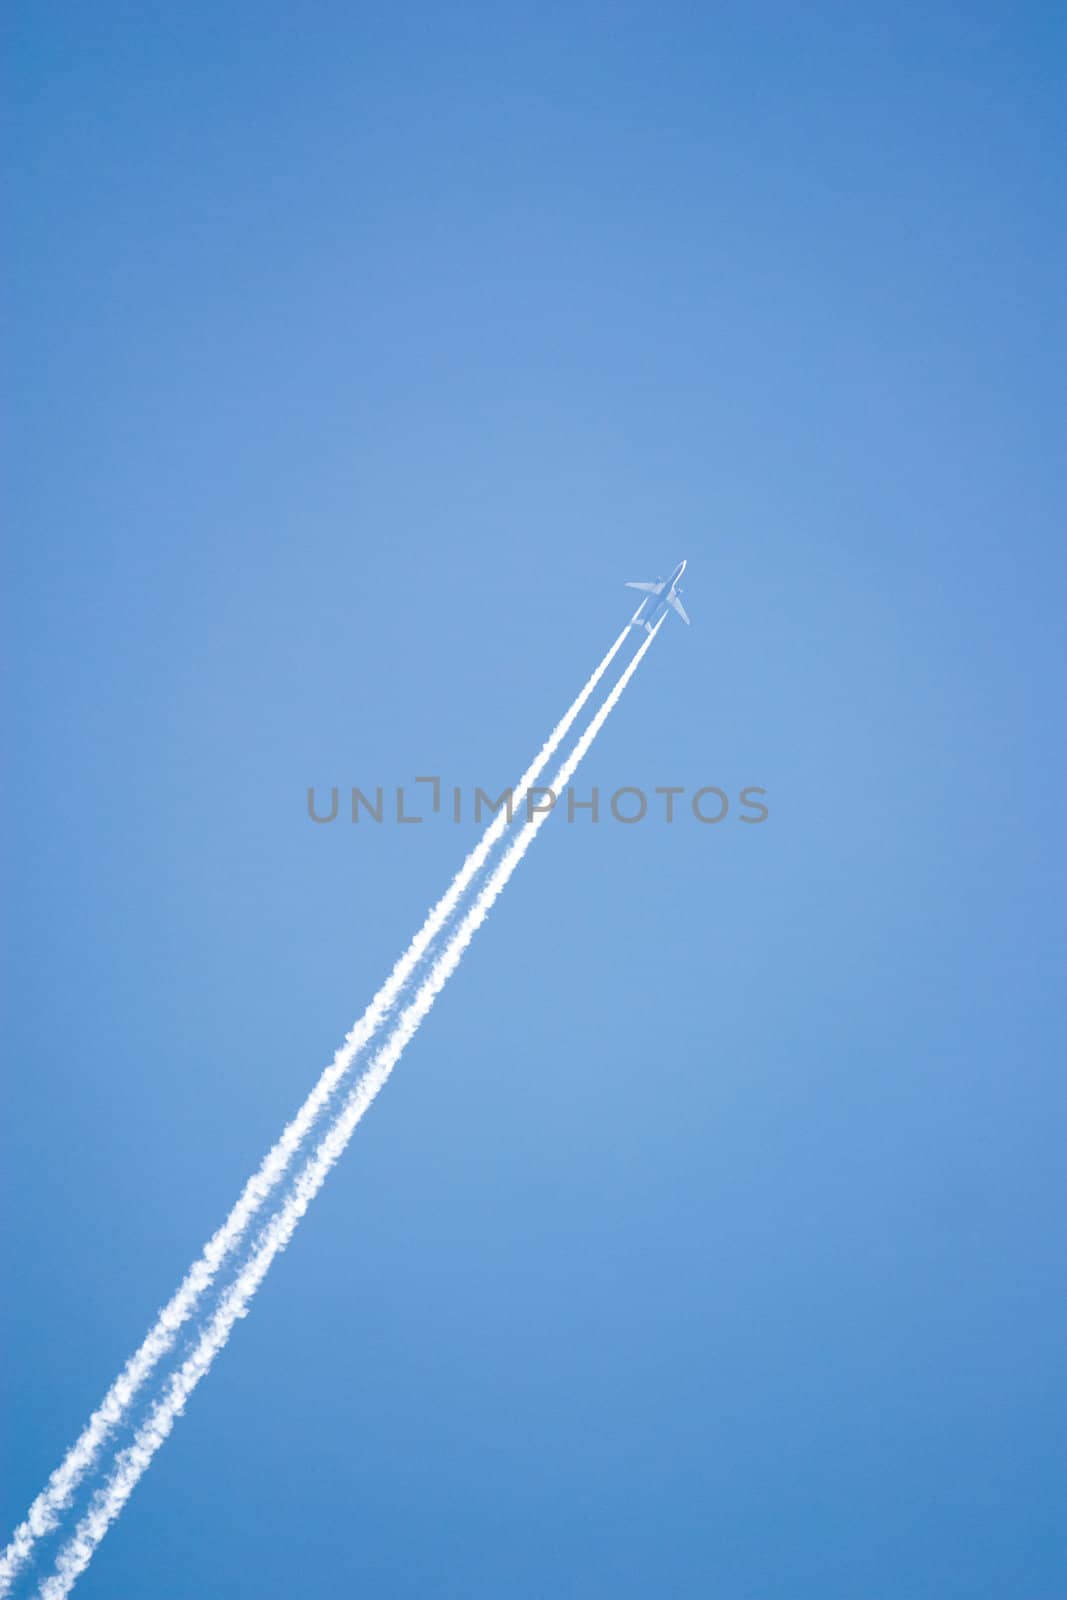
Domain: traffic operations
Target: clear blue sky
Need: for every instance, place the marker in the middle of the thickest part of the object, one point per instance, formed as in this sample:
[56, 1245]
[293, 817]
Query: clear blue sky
[709, 1239]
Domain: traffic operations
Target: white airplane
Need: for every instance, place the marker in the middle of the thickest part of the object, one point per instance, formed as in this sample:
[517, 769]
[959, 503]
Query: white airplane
[663, 593]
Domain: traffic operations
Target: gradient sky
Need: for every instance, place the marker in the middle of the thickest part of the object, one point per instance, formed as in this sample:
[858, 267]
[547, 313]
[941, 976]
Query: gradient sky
[709, 1238]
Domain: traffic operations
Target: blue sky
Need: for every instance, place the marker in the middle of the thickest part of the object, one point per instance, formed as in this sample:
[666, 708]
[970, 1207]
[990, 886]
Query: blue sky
[708, 1239]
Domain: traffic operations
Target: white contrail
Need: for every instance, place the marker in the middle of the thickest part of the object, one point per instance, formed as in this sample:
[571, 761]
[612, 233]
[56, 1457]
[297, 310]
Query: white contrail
[132, 1462]
[45, 1511]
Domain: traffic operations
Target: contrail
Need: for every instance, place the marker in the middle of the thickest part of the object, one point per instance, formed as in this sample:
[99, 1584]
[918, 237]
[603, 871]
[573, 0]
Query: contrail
[44, 1513]
[132, 1462]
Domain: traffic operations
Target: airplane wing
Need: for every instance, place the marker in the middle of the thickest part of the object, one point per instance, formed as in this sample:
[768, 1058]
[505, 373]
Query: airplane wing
[678, 606]
[649, 588]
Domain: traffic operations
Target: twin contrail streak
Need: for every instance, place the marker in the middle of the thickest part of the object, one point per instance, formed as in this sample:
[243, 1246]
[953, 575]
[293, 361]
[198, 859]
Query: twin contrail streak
[132, 1462]
[44, 1514]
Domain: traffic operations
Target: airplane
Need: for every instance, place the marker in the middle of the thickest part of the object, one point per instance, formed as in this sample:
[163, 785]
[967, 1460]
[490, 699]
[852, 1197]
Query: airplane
[666, 592]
